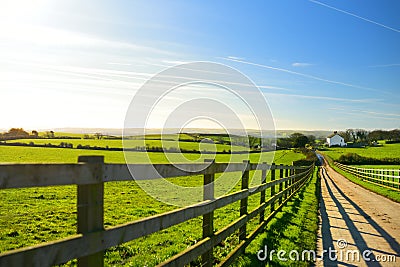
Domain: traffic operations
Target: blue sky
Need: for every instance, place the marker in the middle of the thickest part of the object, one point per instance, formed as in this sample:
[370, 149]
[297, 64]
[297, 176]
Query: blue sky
[320, 64]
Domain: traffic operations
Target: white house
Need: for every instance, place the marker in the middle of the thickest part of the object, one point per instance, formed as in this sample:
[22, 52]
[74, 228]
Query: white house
[335, 140]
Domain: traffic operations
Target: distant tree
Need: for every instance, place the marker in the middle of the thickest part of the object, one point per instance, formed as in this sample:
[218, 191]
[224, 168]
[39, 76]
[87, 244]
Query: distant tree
[346, 136]
[298, 140]
[254, 141]
[352, 133]
[49, 134]
[35, 133]
[394, 134]
[17, 133]
[361, 135]
[376, 135]
[284, 143]
[311, 139]
[98, 135]
[86, 136]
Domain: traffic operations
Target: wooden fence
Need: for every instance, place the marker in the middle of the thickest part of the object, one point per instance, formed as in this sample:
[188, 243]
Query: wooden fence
[92, 239]
[383, 177]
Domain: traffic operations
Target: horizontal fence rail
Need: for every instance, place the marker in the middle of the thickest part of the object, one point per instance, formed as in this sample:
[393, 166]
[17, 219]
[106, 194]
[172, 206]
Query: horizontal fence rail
[92, 239]
[383, 177]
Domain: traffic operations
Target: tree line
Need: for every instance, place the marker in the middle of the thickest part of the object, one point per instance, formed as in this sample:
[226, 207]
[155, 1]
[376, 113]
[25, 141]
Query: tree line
[295, 140]
[364, 136]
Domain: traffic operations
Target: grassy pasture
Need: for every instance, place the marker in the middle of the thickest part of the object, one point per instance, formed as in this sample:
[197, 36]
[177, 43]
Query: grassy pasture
[166, 143]
[35, 215]
[384, 151]
[62, 155]
[60, 134]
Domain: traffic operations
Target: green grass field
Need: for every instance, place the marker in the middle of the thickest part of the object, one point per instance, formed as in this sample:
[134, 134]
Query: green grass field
[384, 151]
[12, 154]
[34, 215]
[165, 143]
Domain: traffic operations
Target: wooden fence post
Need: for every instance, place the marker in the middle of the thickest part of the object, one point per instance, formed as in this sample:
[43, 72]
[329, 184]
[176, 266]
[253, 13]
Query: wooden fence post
[207, 258]
[281, 184]
[91, 207]
[286, 182]
[383, 177]
[371, 175]
[262, 195]
[387, 178]
[292, 180]
[393, 183]
[244, 201]
[273, 168]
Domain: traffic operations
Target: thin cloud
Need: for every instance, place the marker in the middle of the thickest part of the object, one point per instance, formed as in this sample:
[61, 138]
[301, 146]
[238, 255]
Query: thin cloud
[237, 58]
[301, 64]
[120, 64]
[366, 112]
[380, 113]
[354, 15]
[175, 62]
[274, 88]
[385, 65]
[52, 36]
[367, 100]
[304, 75]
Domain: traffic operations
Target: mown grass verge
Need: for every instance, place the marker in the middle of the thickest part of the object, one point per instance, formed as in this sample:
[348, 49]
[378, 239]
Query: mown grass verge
[383, 191]
[294, 228]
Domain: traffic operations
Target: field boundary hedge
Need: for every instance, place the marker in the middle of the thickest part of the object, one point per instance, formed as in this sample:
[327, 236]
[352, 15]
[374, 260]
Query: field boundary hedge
[355, 159]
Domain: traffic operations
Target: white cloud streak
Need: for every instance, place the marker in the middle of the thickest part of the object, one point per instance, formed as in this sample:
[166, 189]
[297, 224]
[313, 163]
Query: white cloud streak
[304, 75]
[301, 64]
[356, 16]
[367, 100]
[367, 113]
[237, 58]
[385, 65]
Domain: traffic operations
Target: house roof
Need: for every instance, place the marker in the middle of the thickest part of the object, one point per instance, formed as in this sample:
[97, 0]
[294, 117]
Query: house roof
[332, 135]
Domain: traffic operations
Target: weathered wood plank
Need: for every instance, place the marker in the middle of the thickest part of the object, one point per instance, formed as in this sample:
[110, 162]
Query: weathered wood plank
[35, 175]
[32, 175]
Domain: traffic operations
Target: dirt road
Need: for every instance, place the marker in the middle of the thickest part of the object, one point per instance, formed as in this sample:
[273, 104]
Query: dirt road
[363, 227]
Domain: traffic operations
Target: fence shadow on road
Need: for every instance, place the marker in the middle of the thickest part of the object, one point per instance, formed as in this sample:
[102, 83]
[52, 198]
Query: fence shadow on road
[360, 242]
[327, 240]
